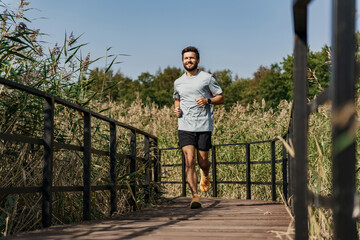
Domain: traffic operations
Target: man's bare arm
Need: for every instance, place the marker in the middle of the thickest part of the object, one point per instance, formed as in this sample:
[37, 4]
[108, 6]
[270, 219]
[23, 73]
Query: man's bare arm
[177, 109]
[217, 100]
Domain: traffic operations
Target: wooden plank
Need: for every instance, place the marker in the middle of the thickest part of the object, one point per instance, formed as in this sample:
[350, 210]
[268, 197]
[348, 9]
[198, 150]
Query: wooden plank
[218, 219]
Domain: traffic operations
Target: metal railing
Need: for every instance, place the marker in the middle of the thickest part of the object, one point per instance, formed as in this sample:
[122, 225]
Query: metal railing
[341, 93]
[49, 145]
[248, 162]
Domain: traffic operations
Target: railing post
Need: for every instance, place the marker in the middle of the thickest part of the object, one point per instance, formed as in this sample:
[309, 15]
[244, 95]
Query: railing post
[113, 207]
[273, 172]
[300, 120]
[86, 166]
[147, 168]
[284, 173]
[213, 158]
[183, 174]
[343, 118]
[248, 172]
[133, 168]
[48, 161]
[157, 170]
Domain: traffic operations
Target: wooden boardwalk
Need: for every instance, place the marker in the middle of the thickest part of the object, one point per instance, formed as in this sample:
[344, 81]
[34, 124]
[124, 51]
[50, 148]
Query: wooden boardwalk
[218, 219]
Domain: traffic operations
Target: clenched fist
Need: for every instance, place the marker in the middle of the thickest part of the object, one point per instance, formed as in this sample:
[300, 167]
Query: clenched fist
[201, 101]
[177, 111]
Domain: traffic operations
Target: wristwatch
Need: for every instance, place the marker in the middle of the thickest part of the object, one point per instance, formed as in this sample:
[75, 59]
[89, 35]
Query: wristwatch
[209, 101]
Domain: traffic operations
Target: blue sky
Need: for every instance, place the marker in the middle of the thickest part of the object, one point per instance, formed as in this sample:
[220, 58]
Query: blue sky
[239, 35]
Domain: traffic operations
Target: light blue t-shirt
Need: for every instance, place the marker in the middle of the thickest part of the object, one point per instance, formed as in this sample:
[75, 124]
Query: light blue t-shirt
[195, 118]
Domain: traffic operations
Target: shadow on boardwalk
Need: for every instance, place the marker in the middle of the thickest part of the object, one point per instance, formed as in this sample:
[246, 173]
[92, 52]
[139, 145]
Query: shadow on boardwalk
[218, 219]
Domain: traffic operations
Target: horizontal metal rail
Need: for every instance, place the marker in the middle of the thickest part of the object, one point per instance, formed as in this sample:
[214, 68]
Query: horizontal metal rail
[230, 182]
[229, 163]
[74, 106]
[243, 144]
[59, 145]
[55, 189]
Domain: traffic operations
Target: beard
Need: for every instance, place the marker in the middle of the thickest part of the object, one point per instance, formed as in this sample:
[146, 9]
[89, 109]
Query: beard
[192, 68]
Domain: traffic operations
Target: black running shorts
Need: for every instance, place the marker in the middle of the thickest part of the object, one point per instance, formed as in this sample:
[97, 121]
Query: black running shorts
[201, 140]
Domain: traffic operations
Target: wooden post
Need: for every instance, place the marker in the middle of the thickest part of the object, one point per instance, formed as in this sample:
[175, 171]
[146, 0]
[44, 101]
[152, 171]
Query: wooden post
[273, 172]
[248, 172]
[133, 168]
[86, 166]
[48, 161]
[300, 120]
[284, 173]
[343, 119]
[147, 169]
[113, 176]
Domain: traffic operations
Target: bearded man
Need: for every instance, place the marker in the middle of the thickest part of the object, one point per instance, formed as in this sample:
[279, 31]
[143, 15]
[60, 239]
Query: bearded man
[195, 93]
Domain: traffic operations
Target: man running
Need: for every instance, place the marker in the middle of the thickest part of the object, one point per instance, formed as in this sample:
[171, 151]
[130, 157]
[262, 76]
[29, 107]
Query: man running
[195, 93]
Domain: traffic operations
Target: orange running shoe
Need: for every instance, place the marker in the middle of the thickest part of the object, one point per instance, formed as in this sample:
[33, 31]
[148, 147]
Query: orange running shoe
[195, 202]
[204, 183]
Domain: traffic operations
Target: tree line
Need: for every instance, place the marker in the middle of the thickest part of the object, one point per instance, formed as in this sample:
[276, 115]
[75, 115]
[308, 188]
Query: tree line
[273, 83]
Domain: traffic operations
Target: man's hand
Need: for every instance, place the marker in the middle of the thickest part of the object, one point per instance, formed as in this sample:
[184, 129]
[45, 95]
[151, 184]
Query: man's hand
[177, 111]
[201, 101]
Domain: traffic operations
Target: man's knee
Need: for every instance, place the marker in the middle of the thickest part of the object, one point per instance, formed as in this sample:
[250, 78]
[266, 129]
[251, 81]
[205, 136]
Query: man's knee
[203, 159]
[190, 162]
[189, 153]
[203, 156]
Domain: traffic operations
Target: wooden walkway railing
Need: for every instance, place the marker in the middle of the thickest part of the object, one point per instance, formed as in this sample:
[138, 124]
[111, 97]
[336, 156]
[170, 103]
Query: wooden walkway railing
[49, 145]
[247, 161]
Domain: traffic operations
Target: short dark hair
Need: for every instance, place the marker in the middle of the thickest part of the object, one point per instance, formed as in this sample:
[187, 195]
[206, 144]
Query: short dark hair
[190, 49]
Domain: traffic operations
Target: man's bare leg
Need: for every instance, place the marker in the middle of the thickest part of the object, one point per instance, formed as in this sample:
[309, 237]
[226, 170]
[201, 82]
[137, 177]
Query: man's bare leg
[204, 163]
[191, 176]
[203, 160]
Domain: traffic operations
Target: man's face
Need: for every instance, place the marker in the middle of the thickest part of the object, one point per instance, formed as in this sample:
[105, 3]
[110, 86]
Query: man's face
[190, 61]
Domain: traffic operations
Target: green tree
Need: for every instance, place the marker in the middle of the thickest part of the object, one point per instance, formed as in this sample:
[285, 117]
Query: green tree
[147, 92]
[237, 92]
[272, 87]
[164, 85]
[253, 89]
[127, 89]
[224, 79]
[287, 73]
[114, 87]
[318, 72]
